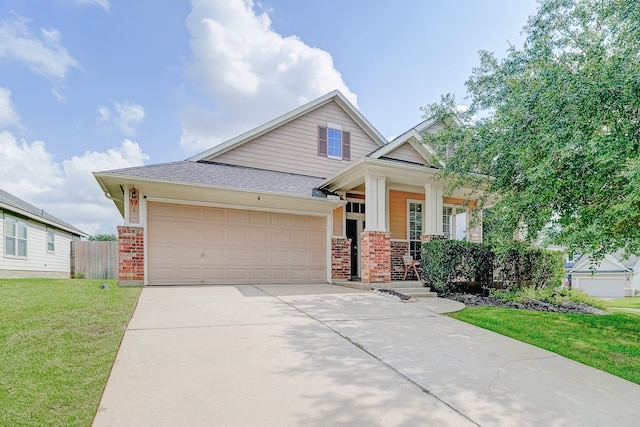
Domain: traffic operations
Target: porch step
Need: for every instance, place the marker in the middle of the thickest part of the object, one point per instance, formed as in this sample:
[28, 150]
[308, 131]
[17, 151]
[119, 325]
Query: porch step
[416, 292]
[406, 284]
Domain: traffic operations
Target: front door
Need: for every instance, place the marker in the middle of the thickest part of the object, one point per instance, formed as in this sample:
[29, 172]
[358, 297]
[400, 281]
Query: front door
[352, 233]
[355, 226]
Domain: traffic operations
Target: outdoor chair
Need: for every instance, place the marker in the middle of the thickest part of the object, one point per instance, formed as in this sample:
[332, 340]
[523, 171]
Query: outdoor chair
[410, 264]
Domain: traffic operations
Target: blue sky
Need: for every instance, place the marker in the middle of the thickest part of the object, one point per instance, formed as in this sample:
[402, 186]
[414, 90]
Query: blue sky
[89, 85]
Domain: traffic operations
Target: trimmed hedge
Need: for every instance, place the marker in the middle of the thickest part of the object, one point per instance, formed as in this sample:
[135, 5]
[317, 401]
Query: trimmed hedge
[446, 263]
[519, 265]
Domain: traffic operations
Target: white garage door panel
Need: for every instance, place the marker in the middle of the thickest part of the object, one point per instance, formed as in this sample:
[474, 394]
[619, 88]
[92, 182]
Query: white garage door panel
[205, 245]
[602, 287]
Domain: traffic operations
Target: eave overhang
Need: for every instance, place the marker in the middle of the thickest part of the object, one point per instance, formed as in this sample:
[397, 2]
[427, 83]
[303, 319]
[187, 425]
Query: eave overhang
[42, 220]
[115, 185]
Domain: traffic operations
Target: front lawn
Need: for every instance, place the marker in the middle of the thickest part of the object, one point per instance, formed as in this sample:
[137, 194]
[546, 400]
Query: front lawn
[628, 302]
[58, 340]
[609, 342]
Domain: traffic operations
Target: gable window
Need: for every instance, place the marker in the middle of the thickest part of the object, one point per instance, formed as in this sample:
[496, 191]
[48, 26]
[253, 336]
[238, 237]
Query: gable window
[333, 142]
[414, 223]
[15, 237]
[51, 242]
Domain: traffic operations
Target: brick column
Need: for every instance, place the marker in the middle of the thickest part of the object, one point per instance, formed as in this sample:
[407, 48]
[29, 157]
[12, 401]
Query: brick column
[340, 259]
[398, 250]
[131, 254]
[376, 257]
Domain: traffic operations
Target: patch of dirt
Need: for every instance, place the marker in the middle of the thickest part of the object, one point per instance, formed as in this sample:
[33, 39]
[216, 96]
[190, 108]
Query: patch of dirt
[565, 307]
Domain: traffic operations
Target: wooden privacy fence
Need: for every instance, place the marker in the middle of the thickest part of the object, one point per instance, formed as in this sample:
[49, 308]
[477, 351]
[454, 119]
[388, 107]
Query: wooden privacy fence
[94, 259]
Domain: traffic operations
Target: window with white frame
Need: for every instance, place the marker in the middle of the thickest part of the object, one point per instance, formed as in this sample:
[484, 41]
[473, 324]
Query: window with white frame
[15, 237]
[334, 142]
[447, 221]
[51, 240]
[414, 224]
[454, 222]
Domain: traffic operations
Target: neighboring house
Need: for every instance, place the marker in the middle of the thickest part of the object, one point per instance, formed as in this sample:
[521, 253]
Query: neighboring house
[614, 276]
[317, 195]
[34, 243]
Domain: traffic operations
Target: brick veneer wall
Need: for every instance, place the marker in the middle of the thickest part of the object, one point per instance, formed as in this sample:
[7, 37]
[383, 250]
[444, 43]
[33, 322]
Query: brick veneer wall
[340, 258]
[398, 250]
[376, 257]
[131, 255]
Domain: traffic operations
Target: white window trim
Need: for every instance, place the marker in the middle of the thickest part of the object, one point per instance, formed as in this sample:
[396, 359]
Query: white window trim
[53, 241]
[337, 127]
[17, 221]
[408, 216]
[454, 208]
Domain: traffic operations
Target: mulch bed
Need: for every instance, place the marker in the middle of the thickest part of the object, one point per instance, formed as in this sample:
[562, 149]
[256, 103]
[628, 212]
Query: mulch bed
[393, 294]
[565, 307]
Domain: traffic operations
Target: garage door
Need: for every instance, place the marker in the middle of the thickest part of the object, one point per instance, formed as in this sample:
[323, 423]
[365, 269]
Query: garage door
[601, 287]
[206, 245]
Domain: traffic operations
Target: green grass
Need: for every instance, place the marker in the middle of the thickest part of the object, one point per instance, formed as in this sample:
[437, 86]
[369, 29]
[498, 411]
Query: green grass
[610, 343]
[625, 303]
[58, 341]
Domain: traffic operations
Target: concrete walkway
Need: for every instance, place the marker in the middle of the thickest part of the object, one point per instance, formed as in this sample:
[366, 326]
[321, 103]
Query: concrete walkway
[322, 355]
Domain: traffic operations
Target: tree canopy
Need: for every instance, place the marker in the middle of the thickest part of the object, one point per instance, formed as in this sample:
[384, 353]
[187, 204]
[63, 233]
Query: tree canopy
[558, 138]
[103, 237]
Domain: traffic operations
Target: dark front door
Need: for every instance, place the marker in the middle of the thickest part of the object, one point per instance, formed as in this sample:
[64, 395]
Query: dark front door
[352, 233]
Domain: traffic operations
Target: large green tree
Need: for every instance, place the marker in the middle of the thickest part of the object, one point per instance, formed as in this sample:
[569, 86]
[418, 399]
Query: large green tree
[559, 127]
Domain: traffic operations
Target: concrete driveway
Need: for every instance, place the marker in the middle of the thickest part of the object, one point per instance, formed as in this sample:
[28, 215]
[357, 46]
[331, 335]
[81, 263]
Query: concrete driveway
[321, 355]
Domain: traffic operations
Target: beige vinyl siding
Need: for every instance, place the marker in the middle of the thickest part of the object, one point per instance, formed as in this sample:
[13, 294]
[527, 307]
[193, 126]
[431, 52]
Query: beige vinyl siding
[435, 127]
[406, 153]
[293, 146]
[338, 216]
[398, 212]
[39, 262]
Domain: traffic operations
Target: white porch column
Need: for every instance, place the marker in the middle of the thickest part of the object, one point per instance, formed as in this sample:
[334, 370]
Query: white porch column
[433, 210]
[375, 203]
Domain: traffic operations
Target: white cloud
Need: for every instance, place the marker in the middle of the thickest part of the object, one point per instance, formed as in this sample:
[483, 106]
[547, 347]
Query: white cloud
[105, 114]
[43, 53]
[250, 73]
[67, 190]
[126, 116]
[8, 115]
[57, 94]
[102, 3]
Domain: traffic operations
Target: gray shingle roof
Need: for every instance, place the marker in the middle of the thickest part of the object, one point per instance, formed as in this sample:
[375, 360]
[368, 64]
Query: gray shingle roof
[228, 176]
[9, 201]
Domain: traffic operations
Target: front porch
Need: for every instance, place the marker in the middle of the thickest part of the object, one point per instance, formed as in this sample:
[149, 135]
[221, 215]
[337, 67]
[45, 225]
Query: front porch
[389, 210]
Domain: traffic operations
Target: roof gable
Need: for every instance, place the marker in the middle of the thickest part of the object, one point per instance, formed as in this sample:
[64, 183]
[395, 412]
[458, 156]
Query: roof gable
[409, 147]
[335, 96]
[608, 264]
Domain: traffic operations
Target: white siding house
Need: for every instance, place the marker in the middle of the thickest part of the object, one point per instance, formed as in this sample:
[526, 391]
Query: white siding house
[34, 243]
[615, 276]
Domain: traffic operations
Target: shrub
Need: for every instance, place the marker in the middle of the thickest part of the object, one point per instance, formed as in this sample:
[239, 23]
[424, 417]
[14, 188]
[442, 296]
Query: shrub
[447, 263]
[519, 265]
[549, 295]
